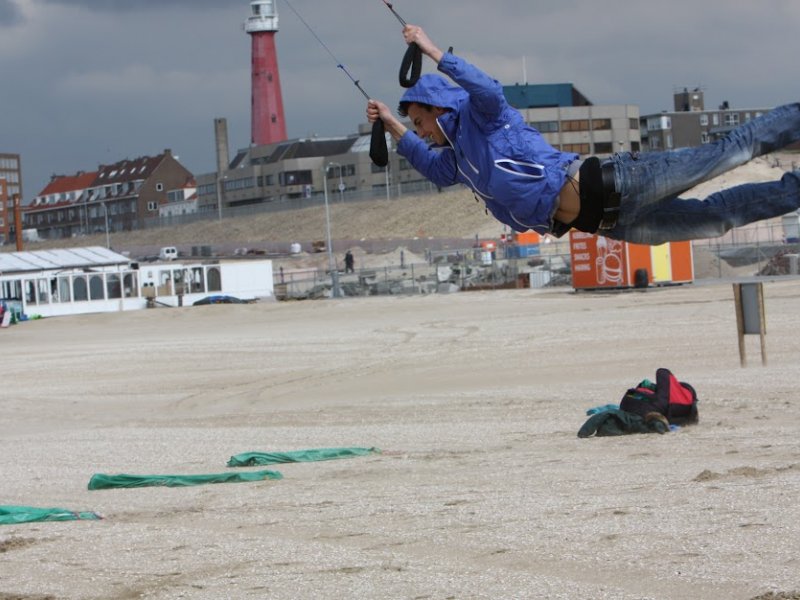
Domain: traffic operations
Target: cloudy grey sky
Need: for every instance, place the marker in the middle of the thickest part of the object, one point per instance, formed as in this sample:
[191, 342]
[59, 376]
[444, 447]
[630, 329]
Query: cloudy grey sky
[88, 82]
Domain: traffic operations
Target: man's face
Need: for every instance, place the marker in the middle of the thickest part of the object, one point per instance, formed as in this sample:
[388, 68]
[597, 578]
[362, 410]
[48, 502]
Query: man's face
[425, 124]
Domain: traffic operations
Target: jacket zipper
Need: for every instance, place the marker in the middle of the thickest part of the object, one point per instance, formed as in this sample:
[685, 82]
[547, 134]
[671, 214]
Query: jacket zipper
[458, 166]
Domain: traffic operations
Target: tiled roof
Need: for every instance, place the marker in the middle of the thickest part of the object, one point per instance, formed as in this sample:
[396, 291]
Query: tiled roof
[128, 170]
[124, 171]
[69, 183]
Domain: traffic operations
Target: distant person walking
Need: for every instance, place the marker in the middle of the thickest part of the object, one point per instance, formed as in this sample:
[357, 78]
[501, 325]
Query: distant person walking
[469, 134]
[348, 262]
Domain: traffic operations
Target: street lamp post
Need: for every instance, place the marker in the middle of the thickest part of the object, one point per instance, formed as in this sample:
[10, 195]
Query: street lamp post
[335, 291]
[342, 186]
[105, 214]
[387, 168]
[219, 197]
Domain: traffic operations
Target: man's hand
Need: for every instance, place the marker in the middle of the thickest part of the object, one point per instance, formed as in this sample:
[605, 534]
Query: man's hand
[378, 110]
[413, 34]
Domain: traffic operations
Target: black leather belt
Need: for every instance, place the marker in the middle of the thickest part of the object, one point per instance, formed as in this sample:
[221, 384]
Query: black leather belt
[611, 197]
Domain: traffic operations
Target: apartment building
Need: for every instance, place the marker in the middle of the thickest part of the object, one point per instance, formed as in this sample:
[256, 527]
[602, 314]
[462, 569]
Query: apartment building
[10, 185]
[690, 123]
[117, 197]
[570, 122]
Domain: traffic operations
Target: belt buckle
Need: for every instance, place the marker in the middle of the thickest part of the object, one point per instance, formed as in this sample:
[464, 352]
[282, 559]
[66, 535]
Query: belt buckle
[610, 210]
[611, 197]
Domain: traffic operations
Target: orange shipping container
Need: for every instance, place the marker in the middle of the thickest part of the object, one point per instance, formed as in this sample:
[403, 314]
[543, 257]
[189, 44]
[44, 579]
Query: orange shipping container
[600, 262]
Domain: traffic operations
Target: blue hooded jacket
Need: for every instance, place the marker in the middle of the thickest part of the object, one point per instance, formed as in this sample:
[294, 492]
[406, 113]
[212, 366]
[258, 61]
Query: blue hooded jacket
[491, 149]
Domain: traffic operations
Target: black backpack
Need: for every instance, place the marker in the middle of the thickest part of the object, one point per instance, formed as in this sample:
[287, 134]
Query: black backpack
[676, 400]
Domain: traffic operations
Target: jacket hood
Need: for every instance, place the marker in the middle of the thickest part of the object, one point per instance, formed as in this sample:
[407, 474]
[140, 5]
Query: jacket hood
[436, 91]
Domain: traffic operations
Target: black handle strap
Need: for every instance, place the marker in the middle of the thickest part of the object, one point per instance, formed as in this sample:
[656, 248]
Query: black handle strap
[411, 67]
[378, 151]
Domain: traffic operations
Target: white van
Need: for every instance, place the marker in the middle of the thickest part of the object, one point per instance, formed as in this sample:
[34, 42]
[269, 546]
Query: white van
[168, 253]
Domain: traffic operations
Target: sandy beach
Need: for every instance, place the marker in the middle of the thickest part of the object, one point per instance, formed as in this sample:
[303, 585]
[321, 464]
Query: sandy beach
[483, 490]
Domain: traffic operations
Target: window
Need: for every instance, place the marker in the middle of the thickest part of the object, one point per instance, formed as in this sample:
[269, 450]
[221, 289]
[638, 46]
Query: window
[129, 284]
[598, 124]
[196, 280]
[11, 290]
[63, 289]
[175, 196]
[704, 139]
[731, 119]
[44, 291]
[715, 119]
[545, 126]
[603, 148]
[96, 287]
[576, 125]
[659, 123]
[577, 148]
[152, 205]
[113, 288]
[30, 291]
[159, 187]
[704, 120]
[79, 291]
[177, 281]
[214, 280]
[633, 124]
[295, 178]
[240, 184]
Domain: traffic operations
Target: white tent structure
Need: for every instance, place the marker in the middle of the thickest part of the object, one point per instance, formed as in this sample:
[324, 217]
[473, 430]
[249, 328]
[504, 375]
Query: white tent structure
[94, 279]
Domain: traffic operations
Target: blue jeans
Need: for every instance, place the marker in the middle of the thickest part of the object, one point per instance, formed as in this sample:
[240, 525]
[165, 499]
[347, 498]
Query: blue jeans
[649, 183]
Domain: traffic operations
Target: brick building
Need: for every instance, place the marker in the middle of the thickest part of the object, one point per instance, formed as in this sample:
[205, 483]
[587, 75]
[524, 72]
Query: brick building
[10, 185]
[118, 197]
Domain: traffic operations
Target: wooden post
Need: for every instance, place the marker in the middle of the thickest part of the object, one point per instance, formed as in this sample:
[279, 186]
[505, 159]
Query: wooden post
[750, 316]
[737, 300]
[18, 222]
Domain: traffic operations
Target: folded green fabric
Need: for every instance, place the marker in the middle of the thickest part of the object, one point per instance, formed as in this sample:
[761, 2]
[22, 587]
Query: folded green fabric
[104, 482]
[249, 459]
[11, 515]
[619, 422]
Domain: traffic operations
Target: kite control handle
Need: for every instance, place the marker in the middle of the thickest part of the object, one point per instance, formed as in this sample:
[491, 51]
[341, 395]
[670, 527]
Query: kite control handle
[411, 67]
[378, 150]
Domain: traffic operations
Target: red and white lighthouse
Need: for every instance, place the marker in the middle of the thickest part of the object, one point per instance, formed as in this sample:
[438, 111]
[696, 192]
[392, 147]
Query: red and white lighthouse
[268, 124]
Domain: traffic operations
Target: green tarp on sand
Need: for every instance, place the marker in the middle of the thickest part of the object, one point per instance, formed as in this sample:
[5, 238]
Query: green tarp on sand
[104, 482]
[11, 515]
[250, 459]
